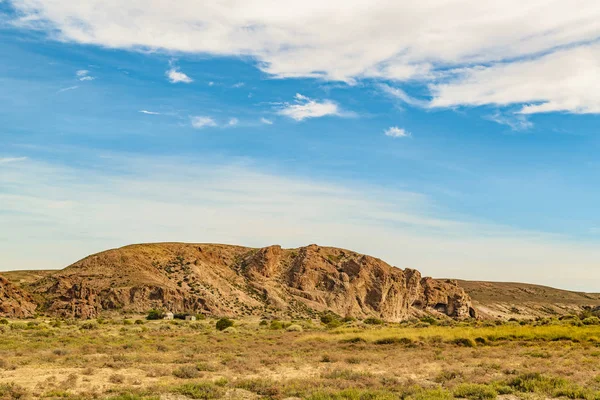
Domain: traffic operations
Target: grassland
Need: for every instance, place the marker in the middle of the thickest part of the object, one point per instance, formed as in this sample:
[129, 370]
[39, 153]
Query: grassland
[139, 359]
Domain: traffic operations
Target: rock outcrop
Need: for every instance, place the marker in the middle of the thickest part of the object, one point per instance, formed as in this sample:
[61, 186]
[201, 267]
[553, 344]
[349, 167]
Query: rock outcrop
[14, 302]
[238, 281]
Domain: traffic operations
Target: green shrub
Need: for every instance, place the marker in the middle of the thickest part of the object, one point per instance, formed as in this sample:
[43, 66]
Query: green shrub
[276, 325]
[262, 387]
[356, 339]
[591, 321]
[3, 321]
[154, 315]
[464, 342]
[374, 321]
[139, 322]
[328, 318]
[395, 340]
[90, 325]
[186, 372]
[223, 324]
[202, 390]
[12, 391]
[294, 328]
[475, 391]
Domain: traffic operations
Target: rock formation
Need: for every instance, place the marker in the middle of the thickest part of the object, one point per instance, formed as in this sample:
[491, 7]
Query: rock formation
[238, 281]
[14, 302]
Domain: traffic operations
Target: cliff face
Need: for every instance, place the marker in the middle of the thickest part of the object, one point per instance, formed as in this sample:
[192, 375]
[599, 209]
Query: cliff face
[238, 281]
[14, 302]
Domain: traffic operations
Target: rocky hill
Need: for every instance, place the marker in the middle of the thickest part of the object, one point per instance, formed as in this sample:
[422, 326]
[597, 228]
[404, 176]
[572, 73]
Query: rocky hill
[239, 281]
[14, 302]
[507, 300]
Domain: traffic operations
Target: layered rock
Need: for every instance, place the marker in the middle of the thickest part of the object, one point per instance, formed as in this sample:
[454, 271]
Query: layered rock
[238, 281]
[15, 302]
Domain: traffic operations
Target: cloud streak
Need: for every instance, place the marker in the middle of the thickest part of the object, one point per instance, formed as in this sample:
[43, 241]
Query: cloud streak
[77, 211]
[304, 108]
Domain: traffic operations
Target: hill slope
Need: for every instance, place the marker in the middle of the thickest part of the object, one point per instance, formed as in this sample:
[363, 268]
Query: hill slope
[523, 300]
[15, 302]
[237, 281]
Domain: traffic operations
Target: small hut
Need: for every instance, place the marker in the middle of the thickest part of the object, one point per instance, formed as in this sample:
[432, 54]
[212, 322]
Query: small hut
[169, 315]
[190, 317]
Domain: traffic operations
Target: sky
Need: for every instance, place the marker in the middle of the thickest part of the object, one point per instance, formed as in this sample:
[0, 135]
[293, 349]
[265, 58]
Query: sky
[458, 137]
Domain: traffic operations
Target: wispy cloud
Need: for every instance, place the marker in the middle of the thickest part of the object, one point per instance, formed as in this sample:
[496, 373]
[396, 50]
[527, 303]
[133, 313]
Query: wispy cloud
[174, 75]
[182, 194]
[67, 89]
[266, 121]
[516, 122]
[6, 160]
[84, 75]
[305, 107]
[150, 112]
[401, 95]
[238, 85]
[200, 122]
[232, 122]
[396, 132]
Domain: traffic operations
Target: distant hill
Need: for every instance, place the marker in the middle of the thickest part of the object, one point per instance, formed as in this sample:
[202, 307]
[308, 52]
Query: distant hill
[523, 300]
[227, 280]
[239, 281]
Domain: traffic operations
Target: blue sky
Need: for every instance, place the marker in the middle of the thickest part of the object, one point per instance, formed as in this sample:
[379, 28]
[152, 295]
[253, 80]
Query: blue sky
[139, 124]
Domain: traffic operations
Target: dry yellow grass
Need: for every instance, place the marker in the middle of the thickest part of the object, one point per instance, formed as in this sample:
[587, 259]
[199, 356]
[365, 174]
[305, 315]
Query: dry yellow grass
[169, 360]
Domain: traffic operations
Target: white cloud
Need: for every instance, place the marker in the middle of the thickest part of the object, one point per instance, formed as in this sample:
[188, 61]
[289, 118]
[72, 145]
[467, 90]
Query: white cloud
[238, 85]
[176, 76]
[401, 95]
[561, 81]
[232, 122]
[43, 205]
[516, 122]
[305, 107]
[387, 39]
[149, 112]
[84, 75]
[211, 83]
[67, 89]
[266, 121]
[200, 122]
[396, 132]
[6, 160]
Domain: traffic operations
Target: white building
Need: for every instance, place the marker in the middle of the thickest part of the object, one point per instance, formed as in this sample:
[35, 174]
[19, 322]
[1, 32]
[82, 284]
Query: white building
[169, 315]
[190, 317]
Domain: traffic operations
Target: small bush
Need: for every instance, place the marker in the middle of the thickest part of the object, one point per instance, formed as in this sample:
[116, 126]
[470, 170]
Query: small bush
[294, 328]
[139, 322]
[395, 340]
[60, 352]
[475, 391]
[186, 372]
[223, 324]
[12, 391]
[203, 390]
[154, 315]
[464, 342]
[373, 321]
[116, 378]
[262, 387]
[3, 321]
[89, 325]
[591, 321]
[356, 339]
[276, 325]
